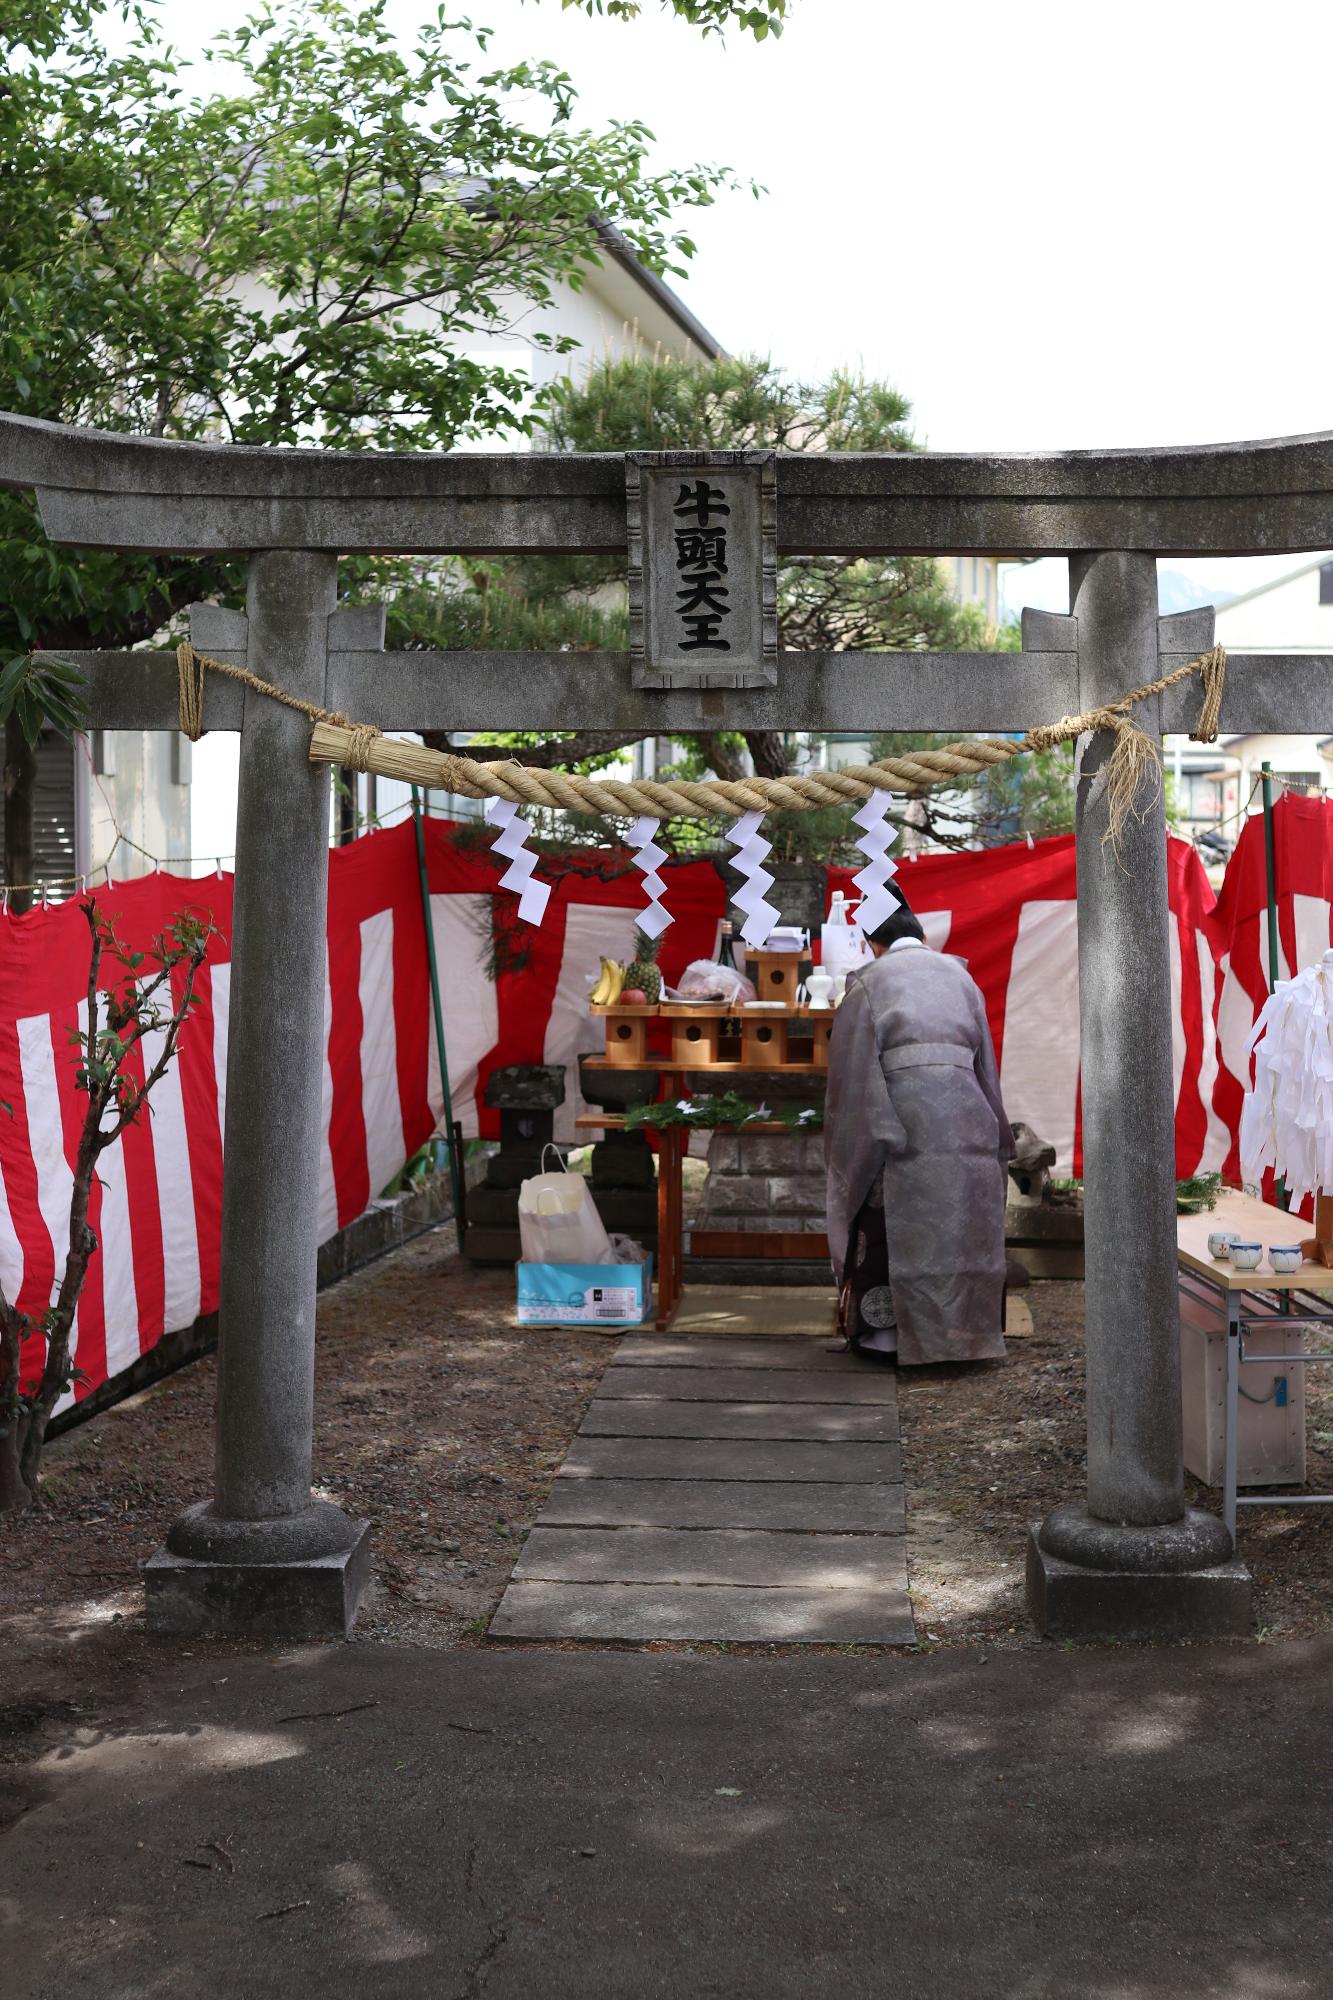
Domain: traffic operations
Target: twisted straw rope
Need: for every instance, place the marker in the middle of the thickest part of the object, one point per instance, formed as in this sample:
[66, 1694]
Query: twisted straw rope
[1134, 757]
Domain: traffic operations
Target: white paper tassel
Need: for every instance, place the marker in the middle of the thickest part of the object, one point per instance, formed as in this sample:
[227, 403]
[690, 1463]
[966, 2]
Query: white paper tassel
[875, 839]
[1286, 1121]
[752, 850]
[653, 920]
[533, 896]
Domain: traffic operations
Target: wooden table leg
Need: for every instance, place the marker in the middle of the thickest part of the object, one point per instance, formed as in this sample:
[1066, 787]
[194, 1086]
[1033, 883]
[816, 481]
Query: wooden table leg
[670, 1214]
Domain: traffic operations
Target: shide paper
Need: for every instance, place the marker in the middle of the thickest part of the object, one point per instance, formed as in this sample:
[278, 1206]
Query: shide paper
[511, 841]
[654, 919]
[875, 839]
[752, 850]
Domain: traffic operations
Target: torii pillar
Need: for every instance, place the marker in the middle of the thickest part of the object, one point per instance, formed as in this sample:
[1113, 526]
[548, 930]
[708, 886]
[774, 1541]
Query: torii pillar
[1133, 1560]
[262, 1554]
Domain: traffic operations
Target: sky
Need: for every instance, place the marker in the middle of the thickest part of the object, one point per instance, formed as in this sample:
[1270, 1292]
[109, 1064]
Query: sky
[1051, 226]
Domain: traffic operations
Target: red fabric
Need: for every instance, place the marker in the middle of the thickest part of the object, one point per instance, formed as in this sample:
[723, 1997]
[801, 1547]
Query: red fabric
[1008, 911]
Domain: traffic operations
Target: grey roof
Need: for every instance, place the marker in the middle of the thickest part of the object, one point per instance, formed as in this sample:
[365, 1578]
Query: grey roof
[659, 291]
[1275, 583]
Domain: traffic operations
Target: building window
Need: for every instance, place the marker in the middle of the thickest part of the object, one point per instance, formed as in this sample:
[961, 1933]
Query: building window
[1326, 583]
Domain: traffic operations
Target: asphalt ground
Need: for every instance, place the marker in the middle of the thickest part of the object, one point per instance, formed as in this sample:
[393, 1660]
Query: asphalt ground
[511, 1822]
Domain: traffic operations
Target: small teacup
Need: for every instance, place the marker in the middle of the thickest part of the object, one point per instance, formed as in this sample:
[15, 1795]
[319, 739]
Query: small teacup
[1245, 1256]
[1220, 1242]
[1286, 1257]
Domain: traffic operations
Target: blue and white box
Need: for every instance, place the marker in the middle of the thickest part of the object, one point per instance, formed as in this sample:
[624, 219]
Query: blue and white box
[584, 1294]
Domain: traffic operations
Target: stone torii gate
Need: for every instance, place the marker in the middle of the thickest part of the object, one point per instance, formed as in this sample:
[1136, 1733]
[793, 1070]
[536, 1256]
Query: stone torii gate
[262, 1555]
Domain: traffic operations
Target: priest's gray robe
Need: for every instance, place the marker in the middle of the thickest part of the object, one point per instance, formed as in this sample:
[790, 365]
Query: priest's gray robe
[914, 1098]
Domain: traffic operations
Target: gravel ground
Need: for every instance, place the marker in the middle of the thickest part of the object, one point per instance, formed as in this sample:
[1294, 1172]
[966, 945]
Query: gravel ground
[445, 1425]
[988, 1448]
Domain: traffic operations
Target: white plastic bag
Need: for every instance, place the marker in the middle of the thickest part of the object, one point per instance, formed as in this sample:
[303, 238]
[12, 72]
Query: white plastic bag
[557, 1223]
[707, 979]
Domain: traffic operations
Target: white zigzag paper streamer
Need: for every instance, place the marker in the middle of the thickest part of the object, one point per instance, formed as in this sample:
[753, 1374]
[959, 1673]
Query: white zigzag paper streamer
[761, 917]
[533, 896]
[654, 919]
[874, 840]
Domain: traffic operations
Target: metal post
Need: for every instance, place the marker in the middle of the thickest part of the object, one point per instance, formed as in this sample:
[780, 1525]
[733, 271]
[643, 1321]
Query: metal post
[1270, 890]
[1270, 873]
[1231, 1442]
[1134, 1525]
[455, 1158]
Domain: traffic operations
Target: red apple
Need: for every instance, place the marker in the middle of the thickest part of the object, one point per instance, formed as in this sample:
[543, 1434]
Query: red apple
[633, 996]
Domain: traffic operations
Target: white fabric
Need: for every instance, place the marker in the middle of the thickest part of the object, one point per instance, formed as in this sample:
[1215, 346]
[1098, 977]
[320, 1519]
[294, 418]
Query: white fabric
[1286, 1121]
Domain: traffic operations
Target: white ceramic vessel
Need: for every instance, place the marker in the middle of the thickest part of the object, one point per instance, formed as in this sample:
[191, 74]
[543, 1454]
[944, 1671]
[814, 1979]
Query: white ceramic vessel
[820, 989]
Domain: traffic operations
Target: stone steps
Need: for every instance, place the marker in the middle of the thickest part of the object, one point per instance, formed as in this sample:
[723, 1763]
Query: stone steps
[734, 1489]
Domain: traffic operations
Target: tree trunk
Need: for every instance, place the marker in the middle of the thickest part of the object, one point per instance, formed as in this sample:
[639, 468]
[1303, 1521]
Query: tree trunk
[15, 1493]
[769, 752]
[20, 792]
[14, 1489]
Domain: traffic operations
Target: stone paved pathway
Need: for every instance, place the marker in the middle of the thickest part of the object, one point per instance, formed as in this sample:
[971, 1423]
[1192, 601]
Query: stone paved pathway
[727, 1489]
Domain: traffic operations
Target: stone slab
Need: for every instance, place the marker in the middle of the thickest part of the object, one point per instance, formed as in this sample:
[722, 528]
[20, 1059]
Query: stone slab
[679, 1458]
[800, 1274]
[689, 1556]
[307, 1600]
[1068, 1601]
[643, 1612]
[755, 1309]
[647, 1350]
[825, 1423]
[804, 1506]
[871, 1387]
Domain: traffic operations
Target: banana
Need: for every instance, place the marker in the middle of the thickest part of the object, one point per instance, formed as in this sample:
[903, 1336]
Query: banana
[607, 990]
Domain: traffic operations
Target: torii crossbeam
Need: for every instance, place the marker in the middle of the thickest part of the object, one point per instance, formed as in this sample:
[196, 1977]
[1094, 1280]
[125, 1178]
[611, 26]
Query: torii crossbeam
[261, 1555]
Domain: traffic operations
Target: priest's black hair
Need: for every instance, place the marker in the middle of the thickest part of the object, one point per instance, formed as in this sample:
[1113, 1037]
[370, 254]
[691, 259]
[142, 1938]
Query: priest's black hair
[900, 923]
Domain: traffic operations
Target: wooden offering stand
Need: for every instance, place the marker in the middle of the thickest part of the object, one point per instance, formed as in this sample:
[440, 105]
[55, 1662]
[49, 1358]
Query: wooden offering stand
[718, 1041]
[1319, 1247]
[707, 1036]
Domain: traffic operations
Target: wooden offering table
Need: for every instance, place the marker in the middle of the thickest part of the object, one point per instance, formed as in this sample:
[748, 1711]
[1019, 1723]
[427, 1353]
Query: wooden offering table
[1246, 1338]
[785, 1038]
[672, 1140]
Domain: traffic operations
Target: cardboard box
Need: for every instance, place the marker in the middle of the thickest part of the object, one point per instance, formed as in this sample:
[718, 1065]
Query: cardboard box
[584, 1294]
[1270, 1426]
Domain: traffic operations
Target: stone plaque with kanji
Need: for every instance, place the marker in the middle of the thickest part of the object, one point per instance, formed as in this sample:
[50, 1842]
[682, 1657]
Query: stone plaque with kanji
[702, 568]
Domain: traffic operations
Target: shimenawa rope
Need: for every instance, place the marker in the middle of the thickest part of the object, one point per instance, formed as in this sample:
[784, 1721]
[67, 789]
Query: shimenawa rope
[1134, 762]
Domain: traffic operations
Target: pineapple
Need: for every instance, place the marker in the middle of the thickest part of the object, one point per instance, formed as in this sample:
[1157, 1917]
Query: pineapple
[644, 973]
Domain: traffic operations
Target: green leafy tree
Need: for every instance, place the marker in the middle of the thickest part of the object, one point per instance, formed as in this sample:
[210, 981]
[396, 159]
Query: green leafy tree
[713, 16]
[295, 244]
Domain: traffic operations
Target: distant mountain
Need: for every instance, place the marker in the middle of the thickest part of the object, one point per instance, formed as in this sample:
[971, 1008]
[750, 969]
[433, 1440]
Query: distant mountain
[1178, 592]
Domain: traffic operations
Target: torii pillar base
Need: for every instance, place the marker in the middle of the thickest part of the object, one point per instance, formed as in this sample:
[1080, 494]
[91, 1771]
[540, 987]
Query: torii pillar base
[299, 1577]
[1090, 1579]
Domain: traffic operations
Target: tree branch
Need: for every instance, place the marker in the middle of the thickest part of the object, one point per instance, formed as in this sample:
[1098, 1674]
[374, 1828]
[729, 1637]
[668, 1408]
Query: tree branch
[555, 755]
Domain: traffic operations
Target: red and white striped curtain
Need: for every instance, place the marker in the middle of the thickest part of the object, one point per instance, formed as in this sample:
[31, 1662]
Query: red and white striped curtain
[514, 995]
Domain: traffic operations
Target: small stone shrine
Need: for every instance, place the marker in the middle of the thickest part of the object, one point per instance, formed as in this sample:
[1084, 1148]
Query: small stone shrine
[1043, 1225]
[622, 1170]
[527, 1096]
[624, 1180]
